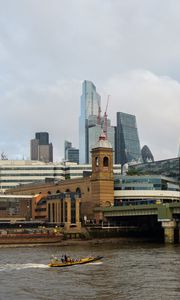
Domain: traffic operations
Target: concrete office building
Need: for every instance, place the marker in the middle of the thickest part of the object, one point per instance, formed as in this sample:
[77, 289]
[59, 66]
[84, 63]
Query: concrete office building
[90, 103]
[15, 173]
[127, 149]
[40, 147]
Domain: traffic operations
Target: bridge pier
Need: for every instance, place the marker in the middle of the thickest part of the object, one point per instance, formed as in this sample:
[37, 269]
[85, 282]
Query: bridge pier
[169, 227]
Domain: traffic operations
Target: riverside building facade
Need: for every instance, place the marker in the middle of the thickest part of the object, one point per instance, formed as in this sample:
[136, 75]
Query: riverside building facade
[102, 196]
[15, 173]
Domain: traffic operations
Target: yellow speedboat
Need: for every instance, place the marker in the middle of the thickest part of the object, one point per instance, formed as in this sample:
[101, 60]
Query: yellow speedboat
[72, 262]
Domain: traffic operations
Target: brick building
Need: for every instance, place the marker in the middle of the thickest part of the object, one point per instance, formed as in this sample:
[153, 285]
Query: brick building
[89, 193]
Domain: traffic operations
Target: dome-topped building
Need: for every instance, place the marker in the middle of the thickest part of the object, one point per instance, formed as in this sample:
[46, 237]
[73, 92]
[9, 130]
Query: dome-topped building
[102, 142]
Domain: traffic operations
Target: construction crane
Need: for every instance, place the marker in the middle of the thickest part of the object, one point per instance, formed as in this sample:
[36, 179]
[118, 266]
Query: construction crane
[105, 117]
[99, 113]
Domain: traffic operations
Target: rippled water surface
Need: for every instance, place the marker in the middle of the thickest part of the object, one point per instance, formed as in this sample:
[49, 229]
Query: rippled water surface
[128, 271]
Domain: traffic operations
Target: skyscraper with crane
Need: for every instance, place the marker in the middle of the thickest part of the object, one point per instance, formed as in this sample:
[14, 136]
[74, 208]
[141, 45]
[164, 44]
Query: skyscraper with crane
[91, 123]
[90, 105]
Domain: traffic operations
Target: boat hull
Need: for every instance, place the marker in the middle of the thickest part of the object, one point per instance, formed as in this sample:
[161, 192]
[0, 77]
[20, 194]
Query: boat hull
[79, 262]
[36, 238]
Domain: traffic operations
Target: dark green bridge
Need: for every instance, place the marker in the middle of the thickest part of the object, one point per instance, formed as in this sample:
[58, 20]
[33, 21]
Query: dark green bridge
[164, 211]
[166, 215]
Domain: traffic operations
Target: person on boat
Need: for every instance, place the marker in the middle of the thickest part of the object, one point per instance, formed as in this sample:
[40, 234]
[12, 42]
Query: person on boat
[65, 258]
[55, 259]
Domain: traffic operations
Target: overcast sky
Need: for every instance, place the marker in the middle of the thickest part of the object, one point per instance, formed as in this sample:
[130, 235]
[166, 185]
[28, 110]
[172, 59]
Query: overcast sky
[129, 49]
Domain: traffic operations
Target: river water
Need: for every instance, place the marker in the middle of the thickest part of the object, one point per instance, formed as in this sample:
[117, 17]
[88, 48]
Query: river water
[128, 271]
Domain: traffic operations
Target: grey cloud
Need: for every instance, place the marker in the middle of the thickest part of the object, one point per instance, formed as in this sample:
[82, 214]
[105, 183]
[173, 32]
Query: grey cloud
[155, 102]
[129, 49]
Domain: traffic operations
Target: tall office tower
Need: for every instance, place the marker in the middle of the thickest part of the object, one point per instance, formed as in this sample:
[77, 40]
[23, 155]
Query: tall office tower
[146, 154]
[90, 103]
[70, 153]
[34, 149]
[43, 138]
[67, 145]
[40, 147]
[127, 149]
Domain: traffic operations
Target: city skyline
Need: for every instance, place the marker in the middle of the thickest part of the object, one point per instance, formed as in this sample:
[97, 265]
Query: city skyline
[130, 51]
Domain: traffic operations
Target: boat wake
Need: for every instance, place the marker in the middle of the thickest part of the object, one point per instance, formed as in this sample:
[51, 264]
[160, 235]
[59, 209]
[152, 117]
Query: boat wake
[10, 267]
[96, 263]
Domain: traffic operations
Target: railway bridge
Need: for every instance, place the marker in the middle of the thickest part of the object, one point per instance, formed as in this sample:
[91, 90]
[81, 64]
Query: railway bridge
[138, 213]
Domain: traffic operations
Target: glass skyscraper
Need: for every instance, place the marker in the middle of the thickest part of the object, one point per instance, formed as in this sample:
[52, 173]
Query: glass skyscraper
[90, 103]
[127, 149]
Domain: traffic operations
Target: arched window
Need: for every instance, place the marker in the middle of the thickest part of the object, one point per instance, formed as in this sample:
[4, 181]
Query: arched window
[108, 204]
[78, 192]
[58, 191]
[49, 192]
[67, 192]
[97, 161]
[105, 161]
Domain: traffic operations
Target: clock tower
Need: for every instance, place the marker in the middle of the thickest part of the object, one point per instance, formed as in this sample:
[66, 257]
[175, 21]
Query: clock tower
[102, 179]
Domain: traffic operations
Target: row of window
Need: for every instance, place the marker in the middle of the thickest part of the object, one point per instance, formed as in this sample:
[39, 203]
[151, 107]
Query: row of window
[31, 174]
[45, 168]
